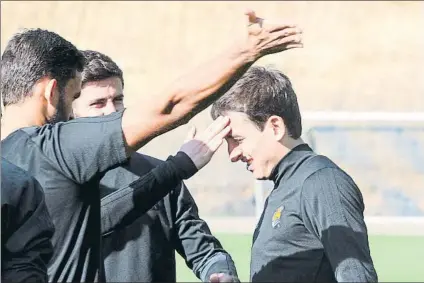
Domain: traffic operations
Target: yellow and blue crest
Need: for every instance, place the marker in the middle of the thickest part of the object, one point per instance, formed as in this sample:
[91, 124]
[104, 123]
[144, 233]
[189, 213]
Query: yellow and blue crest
[276, 217]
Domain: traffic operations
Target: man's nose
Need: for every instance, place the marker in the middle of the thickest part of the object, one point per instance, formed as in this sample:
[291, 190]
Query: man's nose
[234, 152]
[109, 108]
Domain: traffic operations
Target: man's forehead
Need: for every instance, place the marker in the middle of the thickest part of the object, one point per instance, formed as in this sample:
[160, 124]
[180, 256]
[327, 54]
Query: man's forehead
[238, 118]
[101, 89]
[240, 123]
[112, 82]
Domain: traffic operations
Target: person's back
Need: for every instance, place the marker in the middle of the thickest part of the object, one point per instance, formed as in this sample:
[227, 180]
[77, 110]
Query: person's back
[26, 228]
[72, 193]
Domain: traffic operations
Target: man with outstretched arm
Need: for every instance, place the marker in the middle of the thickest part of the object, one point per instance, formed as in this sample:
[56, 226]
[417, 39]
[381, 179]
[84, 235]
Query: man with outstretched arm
[40, 78]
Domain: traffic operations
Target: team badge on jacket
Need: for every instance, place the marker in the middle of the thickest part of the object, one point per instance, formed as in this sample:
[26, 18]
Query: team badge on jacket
[276, 217]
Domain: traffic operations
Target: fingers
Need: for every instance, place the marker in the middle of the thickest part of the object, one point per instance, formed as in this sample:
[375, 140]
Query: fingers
[220, 277]
[214, 277]
[273, 37]
[294, 45]
[281, 40]
[288, 35]
[216, 142]
[254, 20]
[291, 39]
[287, 32]
[216, 127]
[266, 24]
[273, 27]
[191, 133]
[251, 16]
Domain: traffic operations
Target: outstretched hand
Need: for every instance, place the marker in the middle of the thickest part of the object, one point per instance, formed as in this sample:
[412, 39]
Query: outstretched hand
[201, 147]
[265, 37]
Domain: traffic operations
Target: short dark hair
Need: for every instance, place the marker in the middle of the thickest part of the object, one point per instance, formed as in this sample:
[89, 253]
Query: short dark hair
[260, 93]
[33, 54]
[99, 67]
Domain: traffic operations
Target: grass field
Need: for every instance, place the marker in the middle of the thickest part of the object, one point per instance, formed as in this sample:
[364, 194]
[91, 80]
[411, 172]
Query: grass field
[396, 258]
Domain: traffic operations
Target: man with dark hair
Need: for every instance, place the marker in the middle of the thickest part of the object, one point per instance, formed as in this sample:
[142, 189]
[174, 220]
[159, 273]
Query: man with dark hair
[173, 224]
[30, 65]
[69, 159]
[26, 228]
[312, 228]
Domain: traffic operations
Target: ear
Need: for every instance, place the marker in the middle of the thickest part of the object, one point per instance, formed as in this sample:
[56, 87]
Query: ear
[276, 126]
[51, 92]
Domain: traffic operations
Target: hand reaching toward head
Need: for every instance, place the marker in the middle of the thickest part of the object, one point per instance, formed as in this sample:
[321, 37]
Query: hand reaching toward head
[201, 147]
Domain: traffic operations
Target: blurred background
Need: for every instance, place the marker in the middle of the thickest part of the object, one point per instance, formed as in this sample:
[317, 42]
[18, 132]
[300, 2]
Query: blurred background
[359, 81]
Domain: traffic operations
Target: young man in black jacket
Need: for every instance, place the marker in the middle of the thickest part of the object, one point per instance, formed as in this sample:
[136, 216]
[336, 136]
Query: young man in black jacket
[143, 245]
[312, 228]
[41, 77]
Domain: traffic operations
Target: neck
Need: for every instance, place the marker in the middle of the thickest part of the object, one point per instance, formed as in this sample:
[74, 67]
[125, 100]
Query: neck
[290, 143]
[286, 146]
[19, 116]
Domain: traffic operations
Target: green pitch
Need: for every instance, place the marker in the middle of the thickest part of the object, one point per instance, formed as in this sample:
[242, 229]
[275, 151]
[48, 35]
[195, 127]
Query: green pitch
[396, 258]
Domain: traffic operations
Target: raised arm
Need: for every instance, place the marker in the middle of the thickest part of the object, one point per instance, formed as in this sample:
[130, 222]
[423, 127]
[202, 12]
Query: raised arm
[84, 147]
[196, 90]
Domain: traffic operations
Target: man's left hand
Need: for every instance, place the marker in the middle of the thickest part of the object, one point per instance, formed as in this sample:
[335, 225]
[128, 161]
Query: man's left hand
[222, 277]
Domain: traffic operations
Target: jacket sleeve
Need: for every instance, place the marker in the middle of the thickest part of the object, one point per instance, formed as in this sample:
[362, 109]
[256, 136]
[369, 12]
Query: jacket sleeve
[83, 148]
[141, 195]
[332, 208]
[202, 252]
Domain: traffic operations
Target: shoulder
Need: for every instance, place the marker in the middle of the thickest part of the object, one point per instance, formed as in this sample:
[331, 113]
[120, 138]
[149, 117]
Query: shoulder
[7, 168]
[16, 182]
[11, 173]
[322, 167]
[318, 162]
[327, 178]
[26, 137]
[20, 134]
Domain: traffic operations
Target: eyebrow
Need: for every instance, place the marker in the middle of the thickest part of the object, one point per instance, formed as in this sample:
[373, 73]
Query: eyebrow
[95, 99]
